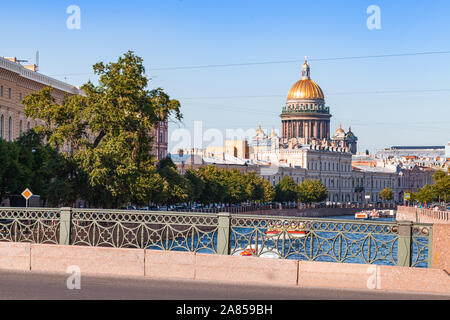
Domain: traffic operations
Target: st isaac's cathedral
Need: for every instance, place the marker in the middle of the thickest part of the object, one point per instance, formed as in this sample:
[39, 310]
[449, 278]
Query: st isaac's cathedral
[305, 126]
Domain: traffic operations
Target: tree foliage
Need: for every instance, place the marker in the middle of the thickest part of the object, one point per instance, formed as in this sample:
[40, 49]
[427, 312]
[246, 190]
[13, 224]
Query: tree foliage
[109, 129]
[439, 191]
[210, 184]
[286, 190]
[387, 194]
[312, 191]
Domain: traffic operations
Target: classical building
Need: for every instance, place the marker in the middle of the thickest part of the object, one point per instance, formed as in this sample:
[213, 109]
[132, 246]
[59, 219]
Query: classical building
[17, 81]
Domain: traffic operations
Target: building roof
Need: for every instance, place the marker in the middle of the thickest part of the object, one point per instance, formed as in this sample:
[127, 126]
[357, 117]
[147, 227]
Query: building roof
[374, 169]
[416, 147]
[38, 77]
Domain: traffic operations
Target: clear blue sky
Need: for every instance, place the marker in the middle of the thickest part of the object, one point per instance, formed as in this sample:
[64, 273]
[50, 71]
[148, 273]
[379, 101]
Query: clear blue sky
[172, 33]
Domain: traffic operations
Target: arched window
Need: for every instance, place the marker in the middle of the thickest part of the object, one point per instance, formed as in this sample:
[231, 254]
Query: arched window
[10, 129]
[28, 125]
[2, 127]
[20, 128]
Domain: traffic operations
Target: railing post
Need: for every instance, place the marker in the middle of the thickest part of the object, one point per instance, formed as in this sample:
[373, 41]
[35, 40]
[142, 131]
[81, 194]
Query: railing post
[404, 243]
[223, 233]
[430, 248]
[65, 226]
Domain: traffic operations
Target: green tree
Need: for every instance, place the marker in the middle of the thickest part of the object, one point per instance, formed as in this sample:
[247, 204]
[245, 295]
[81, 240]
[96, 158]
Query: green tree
[175, 186]
[196, 185]
[215, 190]
[312, 191]
[425, 195]
[286, 190]
[442, 185]
[11, 171]
[109, 129]
[269, 191]
[387, 194]
[256, 190]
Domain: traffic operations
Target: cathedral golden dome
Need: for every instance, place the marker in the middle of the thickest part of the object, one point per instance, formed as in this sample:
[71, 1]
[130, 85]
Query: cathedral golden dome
[305, 88]
[340, 130]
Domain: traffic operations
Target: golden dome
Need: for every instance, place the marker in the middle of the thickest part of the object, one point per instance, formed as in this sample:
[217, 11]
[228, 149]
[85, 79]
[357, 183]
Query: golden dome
[305, 89]
[340, 130]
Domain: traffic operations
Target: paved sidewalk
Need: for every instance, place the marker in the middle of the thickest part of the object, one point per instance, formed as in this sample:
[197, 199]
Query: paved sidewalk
[31, 285]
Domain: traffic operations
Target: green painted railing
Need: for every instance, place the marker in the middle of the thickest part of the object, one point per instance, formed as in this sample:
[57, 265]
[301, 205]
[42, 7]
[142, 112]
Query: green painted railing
[347, 241]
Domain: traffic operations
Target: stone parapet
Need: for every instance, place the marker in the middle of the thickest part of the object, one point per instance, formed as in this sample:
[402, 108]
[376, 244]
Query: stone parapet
[220, 268]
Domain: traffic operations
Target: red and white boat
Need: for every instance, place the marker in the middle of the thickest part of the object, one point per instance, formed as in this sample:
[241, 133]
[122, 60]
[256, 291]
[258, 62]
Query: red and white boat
[291, 231]
[362, 215]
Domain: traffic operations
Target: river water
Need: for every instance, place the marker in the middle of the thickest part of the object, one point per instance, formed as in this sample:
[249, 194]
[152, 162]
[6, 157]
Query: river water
[348, 247]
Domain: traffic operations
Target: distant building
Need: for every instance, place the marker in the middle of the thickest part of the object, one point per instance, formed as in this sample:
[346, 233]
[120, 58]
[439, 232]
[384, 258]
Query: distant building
[418, 151]
[409, 156]
[16, 82]
[447, 151]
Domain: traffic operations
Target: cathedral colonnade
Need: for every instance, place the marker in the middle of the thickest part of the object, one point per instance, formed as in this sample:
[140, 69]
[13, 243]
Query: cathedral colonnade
[299, 128]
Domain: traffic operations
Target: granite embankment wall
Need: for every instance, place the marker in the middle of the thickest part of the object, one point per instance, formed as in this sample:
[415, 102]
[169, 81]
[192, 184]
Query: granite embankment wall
[441, 232]
[307, 212]
[421, 215]
[219, 268]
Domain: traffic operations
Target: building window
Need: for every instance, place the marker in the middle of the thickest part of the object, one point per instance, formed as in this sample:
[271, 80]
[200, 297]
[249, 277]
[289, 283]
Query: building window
[1, 91]
[20, 128]
[10, 93]
[20, 98]
[28, 125]
[10, 129]
[2, 127]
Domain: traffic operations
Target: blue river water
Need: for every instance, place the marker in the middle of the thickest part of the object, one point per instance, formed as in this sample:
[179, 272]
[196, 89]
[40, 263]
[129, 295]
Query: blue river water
[379, 249]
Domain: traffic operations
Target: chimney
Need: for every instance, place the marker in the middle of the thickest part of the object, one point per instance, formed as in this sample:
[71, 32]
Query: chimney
[31, 67]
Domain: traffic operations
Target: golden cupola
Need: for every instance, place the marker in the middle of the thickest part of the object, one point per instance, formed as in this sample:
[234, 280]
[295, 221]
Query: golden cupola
[305, 115]
[305, 88]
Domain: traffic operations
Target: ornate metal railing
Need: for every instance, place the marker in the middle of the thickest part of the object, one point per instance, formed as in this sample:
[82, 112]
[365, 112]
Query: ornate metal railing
[30, 225]
[131, 229]
[310, 239]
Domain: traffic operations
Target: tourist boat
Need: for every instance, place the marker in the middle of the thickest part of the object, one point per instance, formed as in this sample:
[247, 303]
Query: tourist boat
[293, 230]
[250, 251]
[374, 214]
[362, 215]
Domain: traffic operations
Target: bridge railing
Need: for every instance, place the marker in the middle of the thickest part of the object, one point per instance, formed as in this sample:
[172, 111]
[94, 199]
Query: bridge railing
[311, 239]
